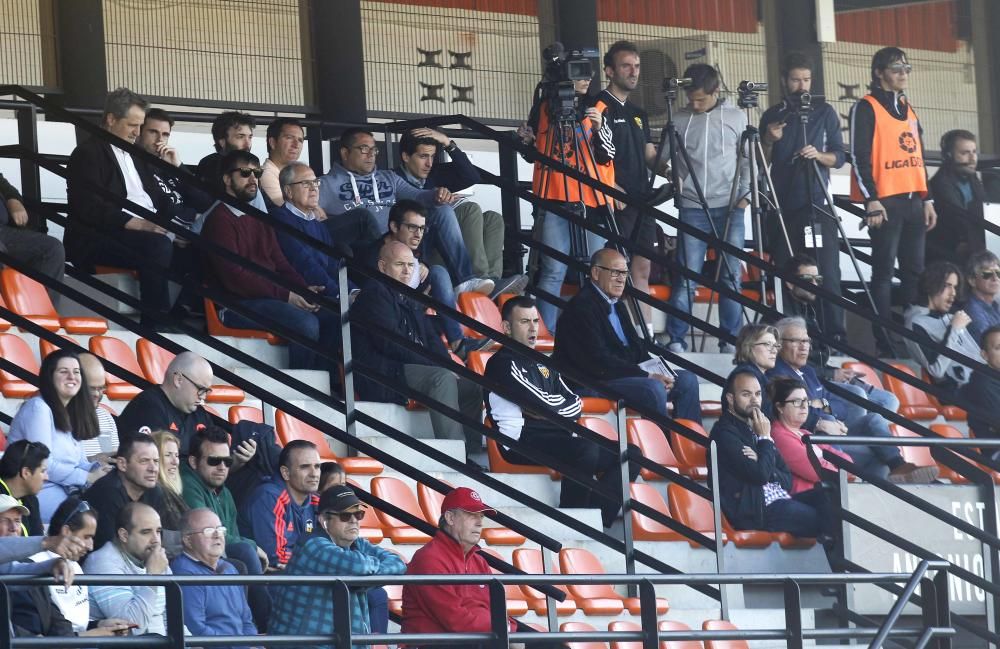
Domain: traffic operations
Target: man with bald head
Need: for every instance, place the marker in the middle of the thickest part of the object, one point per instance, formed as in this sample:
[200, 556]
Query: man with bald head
[97, 384]
[379, 303]
[601, 345]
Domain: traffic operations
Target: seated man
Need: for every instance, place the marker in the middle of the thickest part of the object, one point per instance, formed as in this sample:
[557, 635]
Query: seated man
[280, 512]
[602, 345]
[35, 250]
[482, 232]
[253, 239]
[454, 550]
[97, 385]
[983, 306]
[336, 550]
[99, 230]
[407, 225]
[754, 482]
[804, 304]
[136, 549]
[379, 303]
[831, 414]
[933, 321]
[540, 389]
[983, 390]
[23, 469]
[134, 479]
[210, 609]
[285, 137]
[357, 198]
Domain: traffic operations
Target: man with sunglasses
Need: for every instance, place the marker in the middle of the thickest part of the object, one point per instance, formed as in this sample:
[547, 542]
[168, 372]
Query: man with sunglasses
[890, 179]
[983, 306]
[204, 475]
[335, 549]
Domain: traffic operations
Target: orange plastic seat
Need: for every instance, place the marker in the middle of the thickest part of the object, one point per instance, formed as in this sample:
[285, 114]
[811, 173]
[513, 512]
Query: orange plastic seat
[951, 413]
[119, 353]
[545, 342]
[645, 528]
[4, 324]
[371, 528]
[45, 347]
[722, 625]
[216, 328]
[479, 307]
[913, 402]
[654, 446]
[695, 512]
[516, 604]
[395, 491]
[154, 360]
[691, 455]
[289, 428]
[581, 627]
[26, 297]
[14, 349]
[598, 599]
[477, 361]
[529, 560]
[112, 270]
[670, 625]
[870, 377]
[395, 594]
[625, 625]
[919, 455]
[247, 413]
[602, 427]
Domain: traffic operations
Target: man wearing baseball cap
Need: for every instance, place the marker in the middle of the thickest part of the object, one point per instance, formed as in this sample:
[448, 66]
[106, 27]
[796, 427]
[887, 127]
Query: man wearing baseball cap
[454, 550]
[335, 549]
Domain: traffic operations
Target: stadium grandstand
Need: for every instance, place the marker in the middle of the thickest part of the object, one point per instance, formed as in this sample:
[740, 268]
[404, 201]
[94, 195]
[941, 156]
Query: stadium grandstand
[500, 323]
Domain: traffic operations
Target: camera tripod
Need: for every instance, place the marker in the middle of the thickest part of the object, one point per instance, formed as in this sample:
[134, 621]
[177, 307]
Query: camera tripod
[677, 152]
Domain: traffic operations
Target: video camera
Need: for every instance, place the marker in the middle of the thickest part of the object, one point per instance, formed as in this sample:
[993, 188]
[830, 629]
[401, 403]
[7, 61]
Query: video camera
[562, 70]
[748, 91]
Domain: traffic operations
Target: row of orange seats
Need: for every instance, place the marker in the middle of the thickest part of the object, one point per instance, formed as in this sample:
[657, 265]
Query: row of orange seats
[914, 403]
[665, 625]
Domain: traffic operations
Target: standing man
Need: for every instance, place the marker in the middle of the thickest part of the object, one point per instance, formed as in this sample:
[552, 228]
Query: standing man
[958, 198]
[808, 219]
[890, 178]
[634, 155]
[712, 130]
[285, 137]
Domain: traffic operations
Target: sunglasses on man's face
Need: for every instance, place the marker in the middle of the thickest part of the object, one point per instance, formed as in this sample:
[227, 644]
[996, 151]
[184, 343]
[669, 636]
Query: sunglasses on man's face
[246, 172]
[216, 461]
[345, 517]
[989, 274]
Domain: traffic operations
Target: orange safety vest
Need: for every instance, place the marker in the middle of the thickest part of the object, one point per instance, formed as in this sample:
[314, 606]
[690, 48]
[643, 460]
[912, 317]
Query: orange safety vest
[897, 155]
[550, 184]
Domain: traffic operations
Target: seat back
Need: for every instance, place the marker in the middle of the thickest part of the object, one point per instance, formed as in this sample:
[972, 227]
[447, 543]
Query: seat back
[514, 593]
[625, 625]
[478, 360]
[153, 359]
[245, 413]
[870, 377]
[653, 444]
[690, 509]
[481, 308]
[913, 402]
[670, 625]
[689, 453]
[14, 349]
[643, 527]
[581, 627]
[371, 527]
[289, 428]
[26, 297]
[602, 427]
[577, 561]
[530, 561]
[119, 353]
[919, 455]
[430, 502]
[722, 625]
[46, 347]
[395, 491]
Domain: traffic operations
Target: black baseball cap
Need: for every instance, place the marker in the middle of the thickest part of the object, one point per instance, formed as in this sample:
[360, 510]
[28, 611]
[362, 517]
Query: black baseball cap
[337, 499]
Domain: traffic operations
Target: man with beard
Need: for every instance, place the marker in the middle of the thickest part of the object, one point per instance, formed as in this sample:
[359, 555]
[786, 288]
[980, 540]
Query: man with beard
[958, 197]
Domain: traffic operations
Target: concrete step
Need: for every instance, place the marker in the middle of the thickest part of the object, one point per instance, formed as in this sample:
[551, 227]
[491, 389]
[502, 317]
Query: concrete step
[317, 379]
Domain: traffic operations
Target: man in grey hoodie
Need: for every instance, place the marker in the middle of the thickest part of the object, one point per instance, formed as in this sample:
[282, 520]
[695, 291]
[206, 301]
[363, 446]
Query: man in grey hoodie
[355, 187]
[710, 130]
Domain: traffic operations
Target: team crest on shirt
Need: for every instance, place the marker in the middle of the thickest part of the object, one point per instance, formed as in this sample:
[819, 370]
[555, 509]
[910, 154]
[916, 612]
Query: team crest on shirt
[544, 371]
[638, 121]
[309, 527]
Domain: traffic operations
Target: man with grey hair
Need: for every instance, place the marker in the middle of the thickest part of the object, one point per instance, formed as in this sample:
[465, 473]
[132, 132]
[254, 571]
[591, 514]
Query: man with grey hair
[832, 414]
[103, 232]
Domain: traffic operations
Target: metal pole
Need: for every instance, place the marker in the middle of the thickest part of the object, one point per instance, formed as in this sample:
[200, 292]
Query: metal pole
[623, 465]
[27, 137]
[175, 615]
[510, 205]
[793, 613]
[550, 602]
[5, 636]
[498, 615]
[647, 615]
[345, 336]
[991, 564]
[341, 614]
[720, 561]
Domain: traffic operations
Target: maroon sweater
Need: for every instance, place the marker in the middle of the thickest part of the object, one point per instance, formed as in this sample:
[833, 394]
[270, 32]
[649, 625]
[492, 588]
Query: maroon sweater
[251, 239]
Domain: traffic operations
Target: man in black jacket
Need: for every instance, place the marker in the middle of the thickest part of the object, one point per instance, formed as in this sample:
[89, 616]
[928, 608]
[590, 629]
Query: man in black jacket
[754, 481]
[601, 344]
[533, 388]
[958, 198]
[100, 231]
[384, 306]
[984, 391]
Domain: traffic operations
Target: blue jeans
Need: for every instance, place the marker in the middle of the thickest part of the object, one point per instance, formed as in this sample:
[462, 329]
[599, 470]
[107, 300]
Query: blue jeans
[649, 395]
[861, 422]
[445, 237]
[691, 253]
[322, 327]
[555, 234]
[443, 291]
[378, 610]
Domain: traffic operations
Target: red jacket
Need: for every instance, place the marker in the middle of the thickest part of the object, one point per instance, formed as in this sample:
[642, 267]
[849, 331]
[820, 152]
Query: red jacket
[795, 454]
[447, 608]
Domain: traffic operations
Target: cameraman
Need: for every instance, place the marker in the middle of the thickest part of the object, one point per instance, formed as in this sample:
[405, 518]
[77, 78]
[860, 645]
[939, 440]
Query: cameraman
[590, 134]
[790, 155]
[958, 197]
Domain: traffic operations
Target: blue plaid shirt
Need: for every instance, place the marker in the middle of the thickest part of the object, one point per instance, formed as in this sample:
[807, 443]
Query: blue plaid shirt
[308, 609]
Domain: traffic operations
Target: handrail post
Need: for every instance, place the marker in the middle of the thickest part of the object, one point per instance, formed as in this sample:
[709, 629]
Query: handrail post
[793, 613]
[5, 636]
[175, 614]
[345, 336]
[341, 614]
[720, 561]
[510, 206]
[929, 602]
[991, 565]
[623, 467]
[647, 615]
[550, 602]
[498, 615]
[943, 607]
[27, 137]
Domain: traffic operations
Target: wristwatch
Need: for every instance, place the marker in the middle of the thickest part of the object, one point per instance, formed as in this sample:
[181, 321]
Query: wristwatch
[451, 146]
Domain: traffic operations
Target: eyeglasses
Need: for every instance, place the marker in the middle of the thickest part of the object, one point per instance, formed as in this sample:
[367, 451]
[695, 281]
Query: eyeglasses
[202, 390]
[797, 403]
[97, 389]
[209, 531]
[989, 274]
[365, 149]
[414, 228]
[805, 342]
[900, 68]
[815, 279]
[214, 460]
[308, 184]
[770, 346]
[246, 172]
[615, 273]
[345, 517]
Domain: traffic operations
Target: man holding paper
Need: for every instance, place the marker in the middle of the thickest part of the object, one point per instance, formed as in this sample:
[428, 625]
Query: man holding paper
[600, 344]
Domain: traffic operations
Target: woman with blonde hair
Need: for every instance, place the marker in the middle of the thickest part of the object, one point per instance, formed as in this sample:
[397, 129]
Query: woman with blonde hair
[170, 478]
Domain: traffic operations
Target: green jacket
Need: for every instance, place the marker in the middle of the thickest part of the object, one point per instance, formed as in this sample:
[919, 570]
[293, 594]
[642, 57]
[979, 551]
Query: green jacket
[198, 494]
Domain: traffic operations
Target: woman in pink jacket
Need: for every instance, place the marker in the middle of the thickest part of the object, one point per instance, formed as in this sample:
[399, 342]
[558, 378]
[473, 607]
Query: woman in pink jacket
[791, 408]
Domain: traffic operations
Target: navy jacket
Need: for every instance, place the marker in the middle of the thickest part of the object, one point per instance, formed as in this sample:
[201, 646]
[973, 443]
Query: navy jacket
[984, 391]
[382, 305]
[454, 176]
[315, 266]
[742, 480]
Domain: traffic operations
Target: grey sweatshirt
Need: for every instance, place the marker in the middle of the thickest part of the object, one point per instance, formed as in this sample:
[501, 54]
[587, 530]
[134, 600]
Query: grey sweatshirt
[937, 326]
[711, 139]
[377, 192]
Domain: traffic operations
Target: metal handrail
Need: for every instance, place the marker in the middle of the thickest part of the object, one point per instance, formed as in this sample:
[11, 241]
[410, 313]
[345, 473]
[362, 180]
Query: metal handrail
[904, 598]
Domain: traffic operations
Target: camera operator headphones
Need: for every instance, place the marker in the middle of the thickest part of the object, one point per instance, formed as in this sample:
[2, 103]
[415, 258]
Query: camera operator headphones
[947, 144]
